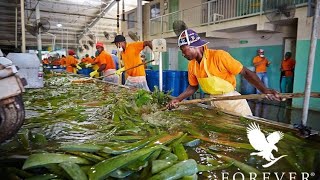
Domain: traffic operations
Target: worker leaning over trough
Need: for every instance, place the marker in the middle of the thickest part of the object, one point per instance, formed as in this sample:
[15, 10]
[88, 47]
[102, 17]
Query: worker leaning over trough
[71, 62]
[215, 71]
[106, 65]
[130, 54]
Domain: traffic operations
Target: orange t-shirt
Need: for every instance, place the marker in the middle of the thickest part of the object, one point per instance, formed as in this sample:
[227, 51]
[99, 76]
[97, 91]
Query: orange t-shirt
[105, 58]
[220, 63]
[62, 61]
[262, 67]
[131, 57]
[288, 66]
[88, 60]
[70, 60]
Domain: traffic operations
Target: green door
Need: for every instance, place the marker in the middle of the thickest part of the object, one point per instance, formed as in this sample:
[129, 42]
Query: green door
[173, 7]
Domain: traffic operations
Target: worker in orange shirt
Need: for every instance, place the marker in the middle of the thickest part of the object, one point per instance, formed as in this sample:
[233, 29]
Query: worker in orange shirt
[63, 61]
[261, 63]
[287, 72]
[215, 71]
[106, 65]
[45, 61]
[71, 62]
[87, 59]
[130, 54]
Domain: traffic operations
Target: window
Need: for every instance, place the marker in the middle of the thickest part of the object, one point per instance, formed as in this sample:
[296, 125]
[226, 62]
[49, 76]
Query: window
[154, 10]
[131, 20]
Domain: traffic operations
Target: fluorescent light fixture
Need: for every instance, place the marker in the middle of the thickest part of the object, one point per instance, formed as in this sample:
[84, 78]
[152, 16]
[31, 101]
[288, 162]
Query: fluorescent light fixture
[59, 25]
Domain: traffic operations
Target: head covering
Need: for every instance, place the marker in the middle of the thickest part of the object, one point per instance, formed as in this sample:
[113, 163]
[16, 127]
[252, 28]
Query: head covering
[119, 38]
[260, 51]
[191, 38]
[288, 54]
[71, 52]
[99, 44]
[87, 55]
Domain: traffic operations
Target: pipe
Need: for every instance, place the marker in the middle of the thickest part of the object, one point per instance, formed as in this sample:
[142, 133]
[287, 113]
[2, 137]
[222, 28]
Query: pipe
[16, 30]
[139, 18]
[39, 44]
[67, 47]
[23, 28]
[312, 54]
[118, 17]
[160, 71]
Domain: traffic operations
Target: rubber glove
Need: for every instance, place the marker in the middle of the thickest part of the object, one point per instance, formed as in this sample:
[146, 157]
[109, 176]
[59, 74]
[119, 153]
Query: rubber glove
[78, 67]
[119, 71]
[88, 65]
[93, 73]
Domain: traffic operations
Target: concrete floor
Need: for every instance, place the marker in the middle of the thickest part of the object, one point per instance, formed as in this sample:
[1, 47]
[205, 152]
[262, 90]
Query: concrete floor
[283, 112]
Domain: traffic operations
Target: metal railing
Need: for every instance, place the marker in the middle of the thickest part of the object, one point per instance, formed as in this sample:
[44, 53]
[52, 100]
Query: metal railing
[216, 11]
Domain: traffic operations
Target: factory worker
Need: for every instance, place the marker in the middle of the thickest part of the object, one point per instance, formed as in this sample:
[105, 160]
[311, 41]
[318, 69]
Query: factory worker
[71, 62]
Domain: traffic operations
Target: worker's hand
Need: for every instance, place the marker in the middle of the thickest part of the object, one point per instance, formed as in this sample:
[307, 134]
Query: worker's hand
[78, 67]
[173, 104]
[88, 65]
[93, 73]
[272, 95]
[119, 71]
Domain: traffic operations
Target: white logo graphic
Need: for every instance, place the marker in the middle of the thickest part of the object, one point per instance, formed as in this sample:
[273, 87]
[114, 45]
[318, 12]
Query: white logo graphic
[265, 145]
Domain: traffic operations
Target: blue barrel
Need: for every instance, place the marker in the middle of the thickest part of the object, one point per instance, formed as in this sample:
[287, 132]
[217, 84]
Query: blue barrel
[184, 81]
[173, 82]
[246, 87]
[85, 71]
[153, 79]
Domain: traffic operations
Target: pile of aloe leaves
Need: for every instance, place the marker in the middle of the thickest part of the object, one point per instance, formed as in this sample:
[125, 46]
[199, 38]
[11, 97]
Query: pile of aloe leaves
[102, 131]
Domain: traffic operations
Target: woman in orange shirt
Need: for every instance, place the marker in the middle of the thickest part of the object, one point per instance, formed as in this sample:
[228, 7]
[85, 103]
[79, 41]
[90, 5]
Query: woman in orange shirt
[287, 71]
[215, 71]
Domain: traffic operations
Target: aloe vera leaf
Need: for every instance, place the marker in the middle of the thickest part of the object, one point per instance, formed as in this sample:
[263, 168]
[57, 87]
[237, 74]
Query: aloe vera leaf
[167, 155]
[43, 177]
[41, 159]
[127, 138]
[159, 165]
[192, 143]
[104, 168]
[227, 143]
[179, 170]
[166, 139]
[85, 169]
[116, 117]
[244, 167]
[73, 170]
[178, 141]
[23, 138]
[146, 172]
[120, 174]
[39, 139]
[88, 156]
[56, 169]
[192, 130]
[127, 148]
[214, 168]
[180, 152]
[103, 155]
[193, 177]
[212, 161]
[81, 147]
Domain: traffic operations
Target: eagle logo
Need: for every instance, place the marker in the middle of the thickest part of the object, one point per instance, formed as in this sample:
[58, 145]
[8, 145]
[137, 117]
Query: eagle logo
[264, 145]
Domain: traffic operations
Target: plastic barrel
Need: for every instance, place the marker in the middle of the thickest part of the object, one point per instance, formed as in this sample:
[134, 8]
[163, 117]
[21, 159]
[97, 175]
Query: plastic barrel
[184, 81]
[246, 87]
[153, 79]
[173, 82]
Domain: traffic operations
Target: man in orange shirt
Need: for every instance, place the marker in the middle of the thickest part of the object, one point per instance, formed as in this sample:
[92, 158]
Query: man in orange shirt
[287, 69]
[71, 62]
[130, 54]
[106, 65]
[261, 63]
[215, 71]
[63, 61]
